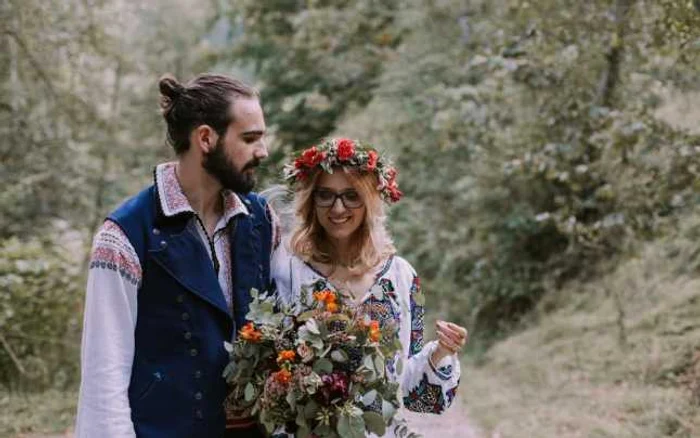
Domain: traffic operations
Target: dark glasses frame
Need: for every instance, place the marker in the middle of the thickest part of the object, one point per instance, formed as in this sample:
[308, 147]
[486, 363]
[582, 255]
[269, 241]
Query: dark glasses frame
[343, 196]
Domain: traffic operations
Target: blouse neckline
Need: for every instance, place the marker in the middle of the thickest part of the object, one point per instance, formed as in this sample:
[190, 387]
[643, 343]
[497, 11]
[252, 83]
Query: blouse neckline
[382, 272]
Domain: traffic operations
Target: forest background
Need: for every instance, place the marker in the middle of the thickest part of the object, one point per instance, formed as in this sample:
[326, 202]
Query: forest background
[549, 151]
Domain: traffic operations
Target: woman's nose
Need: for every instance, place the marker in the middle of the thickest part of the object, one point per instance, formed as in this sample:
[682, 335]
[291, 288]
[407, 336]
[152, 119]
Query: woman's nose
[338, 206]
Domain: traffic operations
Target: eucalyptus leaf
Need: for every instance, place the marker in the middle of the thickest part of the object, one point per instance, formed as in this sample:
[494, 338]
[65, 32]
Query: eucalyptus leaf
[305, 316]
[303, 432]
[228, 347]
[310, 409]
[374, 423]
[369, 397]
[229, 370]
[301, 418]
[249, 393]
[323, 366]
[388, 411]
[322, 430]
[312, 326]
[379, 365]
[398, 365]
[339, 356]
[291, 400]
[369, 364]
[351, 426]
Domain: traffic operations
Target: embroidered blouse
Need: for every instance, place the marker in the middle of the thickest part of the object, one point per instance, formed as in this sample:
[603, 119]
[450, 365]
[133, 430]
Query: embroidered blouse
[395, 297]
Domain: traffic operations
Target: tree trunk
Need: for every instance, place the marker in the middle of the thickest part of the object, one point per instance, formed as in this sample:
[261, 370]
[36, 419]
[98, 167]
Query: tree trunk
[611, 75]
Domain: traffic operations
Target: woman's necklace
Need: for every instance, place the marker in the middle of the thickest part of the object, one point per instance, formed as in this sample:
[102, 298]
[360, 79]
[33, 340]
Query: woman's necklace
[354, 285]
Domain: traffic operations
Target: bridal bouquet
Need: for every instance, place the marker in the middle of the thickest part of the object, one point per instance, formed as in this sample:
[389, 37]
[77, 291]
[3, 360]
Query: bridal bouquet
[315, 368]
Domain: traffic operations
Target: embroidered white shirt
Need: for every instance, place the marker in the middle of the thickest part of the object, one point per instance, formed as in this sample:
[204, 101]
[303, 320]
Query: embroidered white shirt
[394, 296]
[114, 277]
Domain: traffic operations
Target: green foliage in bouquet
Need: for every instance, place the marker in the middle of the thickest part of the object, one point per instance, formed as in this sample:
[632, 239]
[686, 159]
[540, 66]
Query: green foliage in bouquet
[315, 368]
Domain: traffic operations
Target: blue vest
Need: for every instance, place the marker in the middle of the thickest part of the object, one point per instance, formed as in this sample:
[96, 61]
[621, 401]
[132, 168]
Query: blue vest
[177, 388]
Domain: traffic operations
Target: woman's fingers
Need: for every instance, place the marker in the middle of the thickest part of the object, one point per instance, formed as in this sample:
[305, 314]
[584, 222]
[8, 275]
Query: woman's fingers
[448, 343]
[457, 328]
[456, 333]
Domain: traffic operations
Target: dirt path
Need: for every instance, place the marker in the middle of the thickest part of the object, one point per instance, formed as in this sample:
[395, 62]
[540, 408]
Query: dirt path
[453, 424]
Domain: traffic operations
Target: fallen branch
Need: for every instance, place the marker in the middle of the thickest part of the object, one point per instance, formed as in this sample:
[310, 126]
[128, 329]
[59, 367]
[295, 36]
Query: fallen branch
[12, 355]
[19, 335]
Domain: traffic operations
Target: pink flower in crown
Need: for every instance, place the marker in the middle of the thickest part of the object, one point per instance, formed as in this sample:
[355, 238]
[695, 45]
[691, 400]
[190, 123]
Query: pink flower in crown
[394, 193]
[372, 158]
[346, 149]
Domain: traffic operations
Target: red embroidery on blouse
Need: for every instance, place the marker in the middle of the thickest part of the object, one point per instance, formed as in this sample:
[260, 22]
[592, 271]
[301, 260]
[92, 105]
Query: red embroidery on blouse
[112, 250]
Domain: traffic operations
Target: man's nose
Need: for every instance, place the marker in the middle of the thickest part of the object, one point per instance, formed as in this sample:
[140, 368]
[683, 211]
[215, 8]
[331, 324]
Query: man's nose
[261, 150]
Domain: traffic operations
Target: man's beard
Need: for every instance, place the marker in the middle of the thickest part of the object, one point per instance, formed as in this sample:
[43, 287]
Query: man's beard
[218, 165]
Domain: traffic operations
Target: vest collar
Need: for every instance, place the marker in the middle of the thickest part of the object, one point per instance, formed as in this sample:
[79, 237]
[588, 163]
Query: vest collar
[172, 199]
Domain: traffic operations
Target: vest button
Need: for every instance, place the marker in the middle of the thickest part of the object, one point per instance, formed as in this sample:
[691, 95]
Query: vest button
[198, 414]
[193, 352]
[198, 396]
[188, 336]
[156, 231]
[185, 316]
[197, 374]
[180, 298]
[163, 244]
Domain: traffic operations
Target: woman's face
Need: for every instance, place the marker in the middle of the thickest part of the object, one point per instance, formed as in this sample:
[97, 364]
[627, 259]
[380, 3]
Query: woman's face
[339, 207]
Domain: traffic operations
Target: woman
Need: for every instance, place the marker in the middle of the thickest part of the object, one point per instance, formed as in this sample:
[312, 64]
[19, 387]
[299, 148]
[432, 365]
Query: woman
[340, 243]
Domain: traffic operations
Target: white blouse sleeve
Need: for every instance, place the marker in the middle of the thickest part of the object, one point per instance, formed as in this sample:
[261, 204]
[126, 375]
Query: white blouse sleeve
[426, 387]
[107, 351]
[281, 272]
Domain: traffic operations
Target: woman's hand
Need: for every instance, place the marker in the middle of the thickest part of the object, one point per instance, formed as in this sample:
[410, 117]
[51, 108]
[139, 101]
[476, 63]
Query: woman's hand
[451, 339]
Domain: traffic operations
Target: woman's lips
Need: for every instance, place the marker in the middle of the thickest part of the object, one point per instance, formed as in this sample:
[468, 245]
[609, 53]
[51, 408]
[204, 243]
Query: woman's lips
[339, 221]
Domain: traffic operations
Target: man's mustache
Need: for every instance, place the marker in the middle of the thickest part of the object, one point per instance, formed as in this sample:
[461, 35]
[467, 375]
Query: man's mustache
[252, 164]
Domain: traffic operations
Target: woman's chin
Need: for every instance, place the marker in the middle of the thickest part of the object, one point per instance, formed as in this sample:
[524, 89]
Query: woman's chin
[341, 234]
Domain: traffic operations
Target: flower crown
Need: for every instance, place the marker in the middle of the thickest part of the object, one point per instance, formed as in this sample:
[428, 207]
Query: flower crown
[345, 153]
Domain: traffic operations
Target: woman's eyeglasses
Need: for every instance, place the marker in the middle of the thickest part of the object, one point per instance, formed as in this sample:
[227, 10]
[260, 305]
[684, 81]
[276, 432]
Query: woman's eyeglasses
[326, 198]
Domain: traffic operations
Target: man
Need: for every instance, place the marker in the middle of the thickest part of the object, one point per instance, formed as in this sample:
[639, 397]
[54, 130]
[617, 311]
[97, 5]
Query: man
[171, 271]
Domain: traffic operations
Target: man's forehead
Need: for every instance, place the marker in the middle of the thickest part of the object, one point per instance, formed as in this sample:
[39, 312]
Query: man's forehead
[246, 106]
[248, 115]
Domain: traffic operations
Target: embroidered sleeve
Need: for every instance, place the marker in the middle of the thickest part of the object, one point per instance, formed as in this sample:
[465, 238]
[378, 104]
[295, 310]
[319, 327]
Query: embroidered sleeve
[426, 387]
[112, 250]
[417, 316]
[107, 350]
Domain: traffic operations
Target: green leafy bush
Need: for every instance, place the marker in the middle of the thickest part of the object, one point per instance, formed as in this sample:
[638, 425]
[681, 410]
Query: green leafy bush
[522, 170]
[40, 315]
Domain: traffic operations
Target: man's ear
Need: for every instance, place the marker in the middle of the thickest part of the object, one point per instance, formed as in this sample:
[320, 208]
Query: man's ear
[204, 138]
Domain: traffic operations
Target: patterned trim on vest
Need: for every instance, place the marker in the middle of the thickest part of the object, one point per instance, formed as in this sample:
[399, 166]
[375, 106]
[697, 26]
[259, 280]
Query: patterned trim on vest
[112, 250]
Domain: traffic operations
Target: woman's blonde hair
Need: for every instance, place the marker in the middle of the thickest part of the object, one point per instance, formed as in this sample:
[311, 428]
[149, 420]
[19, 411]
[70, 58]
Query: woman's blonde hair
[370, 244]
